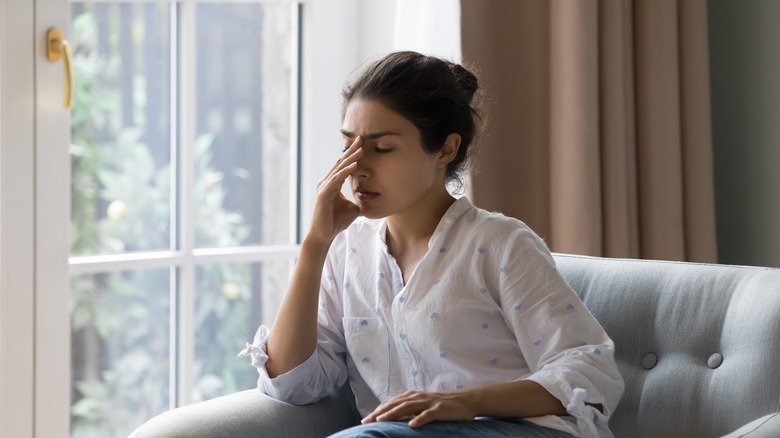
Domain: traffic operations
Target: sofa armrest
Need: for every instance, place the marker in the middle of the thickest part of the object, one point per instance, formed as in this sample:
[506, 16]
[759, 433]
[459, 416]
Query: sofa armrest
[253, 414]
[767, 426]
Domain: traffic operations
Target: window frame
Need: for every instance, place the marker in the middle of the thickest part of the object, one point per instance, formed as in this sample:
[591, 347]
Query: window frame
[183, 257]
[17, 229]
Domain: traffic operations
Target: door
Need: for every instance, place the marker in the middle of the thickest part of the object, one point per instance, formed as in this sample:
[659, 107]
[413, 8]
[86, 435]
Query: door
[34, 132]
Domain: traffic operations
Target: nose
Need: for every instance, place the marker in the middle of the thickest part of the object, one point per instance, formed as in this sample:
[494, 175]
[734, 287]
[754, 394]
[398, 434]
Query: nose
[363, 167]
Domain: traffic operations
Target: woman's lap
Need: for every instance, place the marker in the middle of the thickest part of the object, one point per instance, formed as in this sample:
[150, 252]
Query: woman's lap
[482, 427]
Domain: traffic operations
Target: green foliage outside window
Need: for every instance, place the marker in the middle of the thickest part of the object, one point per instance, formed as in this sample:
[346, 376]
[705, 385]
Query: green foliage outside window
[121, 202]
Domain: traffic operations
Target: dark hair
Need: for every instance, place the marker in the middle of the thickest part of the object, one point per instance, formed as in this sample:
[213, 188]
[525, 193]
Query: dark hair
[434, 94]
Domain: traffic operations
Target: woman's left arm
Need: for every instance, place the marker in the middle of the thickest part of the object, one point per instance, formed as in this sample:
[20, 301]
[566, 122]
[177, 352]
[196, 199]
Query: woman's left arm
[522, 398]
[569, 354]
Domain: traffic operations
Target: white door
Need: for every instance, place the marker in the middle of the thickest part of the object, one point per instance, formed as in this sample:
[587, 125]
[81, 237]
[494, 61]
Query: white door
[34, 138]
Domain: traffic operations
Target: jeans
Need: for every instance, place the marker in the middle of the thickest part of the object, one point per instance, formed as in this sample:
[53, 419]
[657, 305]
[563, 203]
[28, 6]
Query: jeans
[481, 427]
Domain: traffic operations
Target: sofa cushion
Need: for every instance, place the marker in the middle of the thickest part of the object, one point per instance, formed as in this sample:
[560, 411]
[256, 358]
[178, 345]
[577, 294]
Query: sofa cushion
[764, 427]
[251, 414]
[697, 344]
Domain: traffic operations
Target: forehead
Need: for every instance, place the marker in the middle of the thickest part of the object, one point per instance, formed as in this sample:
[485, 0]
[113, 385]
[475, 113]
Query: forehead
[364, 116]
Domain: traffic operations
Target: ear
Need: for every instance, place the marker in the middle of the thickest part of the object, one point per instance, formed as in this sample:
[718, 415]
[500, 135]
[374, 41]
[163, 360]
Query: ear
[449, 151]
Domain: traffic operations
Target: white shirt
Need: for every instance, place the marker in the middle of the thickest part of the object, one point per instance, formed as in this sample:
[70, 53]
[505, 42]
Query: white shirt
[485, 305]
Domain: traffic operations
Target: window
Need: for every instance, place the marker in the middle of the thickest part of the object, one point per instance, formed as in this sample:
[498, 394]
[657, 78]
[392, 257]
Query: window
[184, 173]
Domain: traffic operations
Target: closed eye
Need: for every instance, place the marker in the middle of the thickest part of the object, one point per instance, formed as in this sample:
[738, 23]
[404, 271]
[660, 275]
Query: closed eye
[382, 150]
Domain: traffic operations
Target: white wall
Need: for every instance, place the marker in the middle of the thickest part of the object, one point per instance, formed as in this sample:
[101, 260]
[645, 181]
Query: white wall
[330, 53]
[377, 20]
[745, 83]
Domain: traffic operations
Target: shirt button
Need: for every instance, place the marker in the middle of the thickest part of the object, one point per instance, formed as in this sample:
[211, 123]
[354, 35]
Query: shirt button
[413, 371]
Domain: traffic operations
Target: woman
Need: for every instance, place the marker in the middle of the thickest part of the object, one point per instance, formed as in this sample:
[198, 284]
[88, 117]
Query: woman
[444, 318]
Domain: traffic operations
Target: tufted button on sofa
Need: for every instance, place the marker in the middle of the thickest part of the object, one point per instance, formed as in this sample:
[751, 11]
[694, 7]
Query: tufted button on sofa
[698, 346]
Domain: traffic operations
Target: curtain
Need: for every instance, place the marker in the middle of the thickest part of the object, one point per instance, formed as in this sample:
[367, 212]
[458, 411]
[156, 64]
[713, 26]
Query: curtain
[598, 123]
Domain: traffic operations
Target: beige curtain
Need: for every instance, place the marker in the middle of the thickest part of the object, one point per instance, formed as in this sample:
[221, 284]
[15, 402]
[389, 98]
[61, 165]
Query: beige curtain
[598, 123]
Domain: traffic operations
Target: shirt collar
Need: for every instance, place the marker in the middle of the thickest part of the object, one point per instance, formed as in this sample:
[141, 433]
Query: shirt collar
[456, 210]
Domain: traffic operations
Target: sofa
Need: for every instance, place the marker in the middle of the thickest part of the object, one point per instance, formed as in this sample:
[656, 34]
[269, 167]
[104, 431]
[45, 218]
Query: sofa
[697, 344]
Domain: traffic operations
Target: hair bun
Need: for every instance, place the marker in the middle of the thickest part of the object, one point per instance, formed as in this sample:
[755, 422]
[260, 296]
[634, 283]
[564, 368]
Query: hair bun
[466, 80]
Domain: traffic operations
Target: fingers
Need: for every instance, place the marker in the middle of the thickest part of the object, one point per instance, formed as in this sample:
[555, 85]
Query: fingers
[418, 413]
[342, 169]
[402, 407]
[332, 183]
[424, 418]
[421, 408]
[406, 409]
[356, 145]
[381, 409]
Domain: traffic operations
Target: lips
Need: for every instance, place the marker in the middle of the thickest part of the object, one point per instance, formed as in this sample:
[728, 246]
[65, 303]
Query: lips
[364, 194]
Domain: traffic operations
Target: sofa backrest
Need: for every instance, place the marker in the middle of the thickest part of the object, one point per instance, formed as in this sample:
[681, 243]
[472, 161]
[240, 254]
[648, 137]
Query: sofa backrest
[698, 345]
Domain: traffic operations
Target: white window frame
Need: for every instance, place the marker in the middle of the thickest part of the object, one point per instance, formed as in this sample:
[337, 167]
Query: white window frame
[183, 261]
[17, 116]
[34, 168]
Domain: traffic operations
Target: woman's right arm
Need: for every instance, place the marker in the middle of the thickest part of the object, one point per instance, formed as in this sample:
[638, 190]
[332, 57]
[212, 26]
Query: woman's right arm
[293, 337]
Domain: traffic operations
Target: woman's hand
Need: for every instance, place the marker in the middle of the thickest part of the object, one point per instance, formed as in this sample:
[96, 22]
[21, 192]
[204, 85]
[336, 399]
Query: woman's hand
[332, 211]
[516, 399]
[424, 407]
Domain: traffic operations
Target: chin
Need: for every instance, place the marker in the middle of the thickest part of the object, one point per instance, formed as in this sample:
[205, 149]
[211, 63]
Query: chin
[370, 213]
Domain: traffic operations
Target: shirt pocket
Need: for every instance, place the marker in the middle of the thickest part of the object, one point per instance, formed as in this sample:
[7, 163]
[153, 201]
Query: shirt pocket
[368, 345]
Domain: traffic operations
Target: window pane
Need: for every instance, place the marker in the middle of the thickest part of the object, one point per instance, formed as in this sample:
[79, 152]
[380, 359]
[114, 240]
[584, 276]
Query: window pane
[120, 351]
[243, 148]
[231, 302]
[120, 128]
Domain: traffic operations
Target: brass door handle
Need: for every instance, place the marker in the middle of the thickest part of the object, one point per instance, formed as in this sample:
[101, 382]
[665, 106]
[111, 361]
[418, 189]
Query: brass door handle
[57, 48]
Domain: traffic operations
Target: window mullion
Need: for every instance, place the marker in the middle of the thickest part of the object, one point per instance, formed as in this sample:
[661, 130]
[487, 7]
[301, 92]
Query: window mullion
[185, 342]
[173, 272]
[124, 262]
[295, 125]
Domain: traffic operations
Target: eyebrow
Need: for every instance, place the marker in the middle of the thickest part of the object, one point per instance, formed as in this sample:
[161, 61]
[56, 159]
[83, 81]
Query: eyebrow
[372, 136]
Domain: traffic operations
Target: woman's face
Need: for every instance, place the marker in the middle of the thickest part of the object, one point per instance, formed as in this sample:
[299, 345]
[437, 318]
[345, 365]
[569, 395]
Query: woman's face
[395, 174]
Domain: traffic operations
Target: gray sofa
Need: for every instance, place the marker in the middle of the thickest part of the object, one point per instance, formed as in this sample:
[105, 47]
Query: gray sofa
[698, 346]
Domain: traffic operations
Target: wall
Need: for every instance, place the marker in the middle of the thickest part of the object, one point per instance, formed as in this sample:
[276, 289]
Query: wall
[377, 21]
[745, 83]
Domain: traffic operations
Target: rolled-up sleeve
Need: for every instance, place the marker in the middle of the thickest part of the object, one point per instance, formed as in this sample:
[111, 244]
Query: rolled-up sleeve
[325, 369]
[567, 350]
